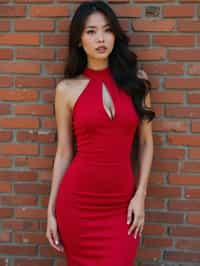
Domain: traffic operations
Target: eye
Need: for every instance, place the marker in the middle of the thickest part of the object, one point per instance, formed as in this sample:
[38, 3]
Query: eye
[109, 29]
[90, 31]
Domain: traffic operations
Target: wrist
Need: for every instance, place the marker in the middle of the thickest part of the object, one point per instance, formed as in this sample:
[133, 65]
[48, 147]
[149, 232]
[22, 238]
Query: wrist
[50, 212]
[141, 192]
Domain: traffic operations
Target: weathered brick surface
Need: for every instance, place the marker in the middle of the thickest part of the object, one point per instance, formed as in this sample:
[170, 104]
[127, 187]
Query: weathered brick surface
[33, 47]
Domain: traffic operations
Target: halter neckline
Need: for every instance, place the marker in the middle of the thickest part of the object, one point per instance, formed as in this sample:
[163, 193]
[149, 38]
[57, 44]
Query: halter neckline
[97, 73]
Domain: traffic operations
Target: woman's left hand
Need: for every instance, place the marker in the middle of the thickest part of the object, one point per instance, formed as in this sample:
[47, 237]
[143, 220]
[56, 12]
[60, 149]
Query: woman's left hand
[136, 206]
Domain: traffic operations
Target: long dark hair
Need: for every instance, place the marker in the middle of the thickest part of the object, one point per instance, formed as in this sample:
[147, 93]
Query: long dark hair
[122, 62]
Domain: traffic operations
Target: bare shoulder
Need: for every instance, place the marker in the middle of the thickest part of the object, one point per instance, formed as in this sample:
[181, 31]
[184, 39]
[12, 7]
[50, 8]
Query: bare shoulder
[71, 88]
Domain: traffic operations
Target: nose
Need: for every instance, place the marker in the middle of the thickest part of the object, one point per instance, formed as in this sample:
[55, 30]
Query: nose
[100, 36]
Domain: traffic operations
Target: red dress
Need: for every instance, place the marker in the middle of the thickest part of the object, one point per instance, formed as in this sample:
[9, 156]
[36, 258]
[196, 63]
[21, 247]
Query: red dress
[96, 188]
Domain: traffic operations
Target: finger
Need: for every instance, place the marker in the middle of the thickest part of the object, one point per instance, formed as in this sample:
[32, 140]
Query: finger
[53, 242]
[136, 231]
[134, 224]
[129, 215]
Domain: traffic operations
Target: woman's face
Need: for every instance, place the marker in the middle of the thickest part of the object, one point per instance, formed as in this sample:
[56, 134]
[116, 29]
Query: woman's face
[97, 33]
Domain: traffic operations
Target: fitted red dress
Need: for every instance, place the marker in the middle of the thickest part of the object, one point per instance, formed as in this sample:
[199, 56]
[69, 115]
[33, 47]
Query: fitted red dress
[96, 188]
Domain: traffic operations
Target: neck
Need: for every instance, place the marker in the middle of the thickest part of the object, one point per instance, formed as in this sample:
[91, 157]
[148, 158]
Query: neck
[98, 66]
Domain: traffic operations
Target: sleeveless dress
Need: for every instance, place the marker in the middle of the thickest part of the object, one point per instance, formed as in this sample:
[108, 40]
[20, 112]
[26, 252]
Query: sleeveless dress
[92, 200]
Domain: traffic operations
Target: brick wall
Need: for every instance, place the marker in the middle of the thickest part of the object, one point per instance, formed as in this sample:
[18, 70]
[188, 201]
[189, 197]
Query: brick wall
[33, 39]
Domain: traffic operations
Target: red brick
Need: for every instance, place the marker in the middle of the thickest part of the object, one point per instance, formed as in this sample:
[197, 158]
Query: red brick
[188, 25]
[33, 109]
[54, 68]
[187, 244]
[18, 200]
[5, 187]
[34, 25]
[150, 54]
[33, 1]
[35, 53]
[182, 256]
[158, 242]
[174, 40]
[49, 11]
[182, 83]
[194, 153]
[184, 205]
[24, 67]
[5, 237]
[154, 25]
[43, 163]
[194, 69]
[18, 95]
[6, 81]
[4, 26]
[32, 213]
[184, 54]
[12, 148]
[6, 213]
[164, 165]
[5, 162]
[62, 53]
[179, 11]
[154, 1]
[16, 122]
[166, 97]
[48, 123]
[184, 231]
[193, 218]
[34, 82]
[55, 39]
[18, 175]
[5, 109]
[33, 261]
[192, 193]
[195, 126]
[32, 188]
[5, 135]
[192, 167]
[36, 136]
[183, 140]
[139, 39]
[165, 217]
[188, 112]
[127, 11]
[164, 69]
[164, 192]
[6, 53]
[31, 238]
[63, 25]
[194, 98]
[183, 179]
[169, 153]
[17, 225]
[19, 39]
[12, 11]
[18, 250]
[149, 254]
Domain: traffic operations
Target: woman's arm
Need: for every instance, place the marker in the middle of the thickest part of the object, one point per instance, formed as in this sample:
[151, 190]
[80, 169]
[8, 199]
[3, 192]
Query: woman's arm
[137, 203]
[64, 152]
[145, 148]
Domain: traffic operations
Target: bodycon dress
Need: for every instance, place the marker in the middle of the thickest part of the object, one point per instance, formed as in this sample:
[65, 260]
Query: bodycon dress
[93, 196]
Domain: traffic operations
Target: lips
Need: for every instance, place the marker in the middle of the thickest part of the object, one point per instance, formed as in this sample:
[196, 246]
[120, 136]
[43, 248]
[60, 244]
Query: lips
[101, 48]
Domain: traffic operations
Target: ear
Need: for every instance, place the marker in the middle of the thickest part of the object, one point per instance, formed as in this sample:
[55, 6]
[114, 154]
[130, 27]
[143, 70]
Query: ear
[142, 74]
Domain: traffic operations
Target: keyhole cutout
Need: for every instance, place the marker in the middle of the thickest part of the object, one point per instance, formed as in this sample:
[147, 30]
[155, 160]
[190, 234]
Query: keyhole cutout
[108, 102]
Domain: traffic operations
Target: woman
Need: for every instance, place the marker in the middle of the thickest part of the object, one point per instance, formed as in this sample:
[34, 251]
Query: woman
[95, 212]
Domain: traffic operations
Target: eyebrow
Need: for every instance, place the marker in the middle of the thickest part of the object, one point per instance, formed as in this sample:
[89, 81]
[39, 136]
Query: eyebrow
[90, 26]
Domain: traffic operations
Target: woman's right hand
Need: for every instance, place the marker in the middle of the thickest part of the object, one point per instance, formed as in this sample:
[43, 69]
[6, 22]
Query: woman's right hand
[52, 233]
